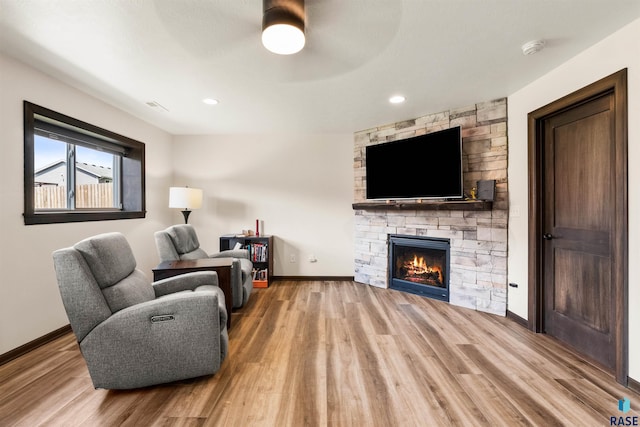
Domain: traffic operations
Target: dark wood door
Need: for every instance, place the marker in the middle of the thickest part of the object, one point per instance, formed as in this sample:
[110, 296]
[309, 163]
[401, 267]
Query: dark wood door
[578, 221]
[578, 228]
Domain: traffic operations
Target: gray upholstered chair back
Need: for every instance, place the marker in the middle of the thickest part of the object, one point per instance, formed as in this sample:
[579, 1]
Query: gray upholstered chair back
[179, 242]
[98, 277]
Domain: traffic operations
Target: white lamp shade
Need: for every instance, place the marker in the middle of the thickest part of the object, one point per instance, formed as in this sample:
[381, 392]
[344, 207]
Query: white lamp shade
[283, 39]
[185, 198]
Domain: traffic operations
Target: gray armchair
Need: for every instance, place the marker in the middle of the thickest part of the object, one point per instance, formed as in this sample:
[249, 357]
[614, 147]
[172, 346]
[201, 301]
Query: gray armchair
[180, 242]
[133, 333]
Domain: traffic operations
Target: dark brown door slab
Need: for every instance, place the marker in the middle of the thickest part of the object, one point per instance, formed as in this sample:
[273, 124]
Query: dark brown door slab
[578, 256]
[579, 217]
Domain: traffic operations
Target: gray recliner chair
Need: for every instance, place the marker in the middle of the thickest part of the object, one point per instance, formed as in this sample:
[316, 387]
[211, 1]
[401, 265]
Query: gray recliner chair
[180, 242]
[133, 333]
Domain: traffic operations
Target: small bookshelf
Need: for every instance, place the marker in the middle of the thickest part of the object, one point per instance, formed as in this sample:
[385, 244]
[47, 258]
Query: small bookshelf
[260, 253]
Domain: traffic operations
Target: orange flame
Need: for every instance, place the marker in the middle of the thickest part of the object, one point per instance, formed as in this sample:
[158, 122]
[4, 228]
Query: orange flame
[420, 266]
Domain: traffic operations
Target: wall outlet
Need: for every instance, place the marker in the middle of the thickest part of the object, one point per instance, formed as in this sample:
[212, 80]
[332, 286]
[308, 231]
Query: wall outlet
[312, 258]
[292, 257]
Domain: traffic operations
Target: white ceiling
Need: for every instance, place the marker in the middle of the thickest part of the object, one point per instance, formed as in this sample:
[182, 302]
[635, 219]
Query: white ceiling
[440, 54]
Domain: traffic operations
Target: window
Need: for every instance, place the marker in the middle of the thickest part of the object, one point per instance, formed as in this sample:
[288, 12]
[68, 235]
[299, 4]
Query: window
[75, 171]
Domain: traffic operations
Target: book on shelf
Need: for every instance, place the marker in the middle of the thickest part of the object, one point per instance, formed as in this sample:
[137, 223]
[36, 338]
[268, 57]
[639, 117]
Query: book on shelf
[258, 252]
[260, 274]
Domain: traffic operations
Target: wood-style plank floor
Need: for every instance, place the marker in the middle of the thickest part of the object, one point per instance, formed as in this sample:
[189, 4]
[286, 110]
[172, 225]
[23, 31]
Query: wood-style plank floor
[336, 354]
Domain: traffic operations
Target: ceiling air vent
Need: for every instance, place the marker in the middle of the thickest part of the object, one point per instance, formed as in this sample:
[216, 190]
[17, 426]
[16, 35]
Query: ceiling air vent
[156, 106]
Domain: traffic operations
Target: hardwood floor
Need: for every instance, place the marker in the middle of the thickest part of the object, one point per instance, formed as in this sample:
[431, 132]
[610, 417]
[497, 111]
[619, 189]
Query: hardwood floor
[336, 354]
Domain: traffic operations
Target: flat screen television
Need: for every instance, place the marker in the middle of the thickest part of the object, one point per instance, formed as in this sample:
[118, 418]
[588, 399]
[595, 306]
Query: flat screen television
[422, 167]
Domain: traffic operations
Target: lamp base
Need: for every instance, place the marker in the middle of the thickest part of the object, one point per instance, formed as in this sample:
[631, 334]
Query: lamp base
[186, 213]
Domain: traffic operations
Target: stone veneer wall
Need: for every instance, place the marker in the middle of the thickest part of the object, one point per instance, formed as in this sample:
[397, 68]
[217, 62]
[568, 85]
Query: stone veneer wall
[478, 238]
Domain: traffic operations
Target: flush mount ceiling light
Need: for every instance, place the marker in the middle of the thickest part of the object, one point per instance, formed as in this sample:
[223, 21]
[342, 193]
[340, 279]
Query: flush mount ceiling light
[211, 101]
[534, 46]
[283, 26]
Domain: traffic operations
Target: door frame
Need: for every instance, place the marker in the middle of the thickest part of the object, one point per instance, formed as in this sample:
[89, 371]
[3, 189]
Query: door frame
[617, 85]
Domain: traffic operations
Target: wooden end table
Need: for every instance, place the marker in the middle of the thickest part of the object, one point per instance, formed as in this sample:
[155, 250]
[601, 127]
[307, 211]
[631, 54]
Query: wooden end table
[222, 266]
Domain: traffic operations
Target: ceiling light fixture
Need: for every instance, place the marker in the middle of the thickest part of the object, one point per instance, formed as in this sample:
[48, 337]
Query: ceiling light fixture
[283, 26]
[211, 101]
[534, 46]
[397, 99]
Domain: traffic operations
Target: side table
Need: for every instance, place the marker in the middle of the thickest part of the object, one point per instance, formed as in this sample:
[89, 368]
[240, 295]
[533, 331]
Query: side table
[222, 266]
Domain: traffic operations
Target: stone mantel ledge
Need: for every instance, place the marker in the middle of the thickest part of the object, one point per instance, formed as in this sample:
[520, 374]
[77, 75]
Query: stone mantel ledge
[449, 205]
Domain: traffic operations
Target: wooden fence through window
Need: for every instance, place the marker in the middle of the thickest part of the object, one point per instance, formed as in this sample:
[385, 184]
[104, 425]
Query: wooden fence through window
[87, 196]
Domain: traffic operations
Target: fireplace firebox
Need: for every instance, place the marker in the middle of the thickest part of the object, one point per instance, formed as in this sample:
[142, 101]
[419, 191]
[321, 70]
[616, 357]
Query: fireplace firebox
[419, 265]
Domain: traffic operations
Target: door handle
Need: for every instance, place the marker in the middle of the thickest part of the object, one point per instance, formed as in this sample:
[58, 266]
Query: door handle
[547, 236]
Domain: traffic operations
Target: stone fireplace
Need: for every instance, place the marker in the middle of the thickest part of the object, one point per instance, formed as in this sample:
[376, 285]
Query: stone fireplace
[477, 237]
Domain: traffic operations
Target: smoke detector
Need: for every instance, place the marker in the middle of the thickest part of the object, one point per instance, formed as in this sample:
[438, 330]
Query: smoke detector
[534, 46]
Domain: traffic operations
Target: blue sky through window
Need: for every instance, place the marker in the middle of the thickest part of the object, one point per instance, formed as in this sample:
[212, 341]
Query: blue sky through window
[48, 151]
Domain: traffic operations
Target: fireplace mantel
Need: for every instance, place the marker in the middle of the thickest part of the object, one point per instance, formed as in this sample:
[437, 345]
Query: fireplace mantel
[457, 205]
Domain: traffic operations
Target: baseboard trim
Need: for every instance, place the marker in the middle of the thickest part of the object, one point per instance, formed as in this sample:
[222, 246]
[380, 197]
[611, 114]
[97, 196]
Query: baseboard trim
[32, 345]
[633, 384]
[519, 320]
[315, 278]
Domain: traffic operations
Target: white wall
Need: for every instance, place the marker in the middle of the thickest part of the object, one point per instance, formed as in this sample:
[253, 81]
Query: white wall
[299, 186]
[30, 305]
[620, 50]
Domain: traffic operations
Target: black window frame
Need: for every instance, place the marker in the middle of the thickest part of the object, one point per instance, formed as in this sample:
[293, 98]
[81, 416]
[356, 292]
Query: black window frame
[132, 191]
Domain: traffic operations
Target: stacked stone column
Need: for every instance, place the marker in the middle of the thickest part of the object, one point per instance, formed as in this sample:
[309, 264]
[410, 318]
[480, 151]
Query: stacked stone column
[478, 238]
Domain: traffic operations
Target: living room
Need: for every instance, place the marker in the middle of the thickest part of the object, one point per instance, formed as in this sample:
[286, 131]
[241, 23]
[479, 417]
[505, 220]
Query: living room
[248, 176]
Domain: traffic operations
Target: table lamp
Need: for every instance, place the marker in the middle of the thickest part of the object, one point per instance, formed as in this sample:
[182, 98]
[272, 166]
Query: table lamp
[185, 198]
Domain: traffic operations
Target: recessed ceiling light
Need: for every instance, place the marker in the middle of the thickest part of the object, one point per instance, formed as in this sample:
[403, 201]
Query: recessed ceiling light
[211, 101]
[397, 99]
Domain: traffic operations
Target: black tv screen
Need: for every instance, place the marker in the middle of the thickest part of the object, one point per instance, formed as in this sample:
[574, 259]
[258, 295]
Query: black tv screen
[422, 167]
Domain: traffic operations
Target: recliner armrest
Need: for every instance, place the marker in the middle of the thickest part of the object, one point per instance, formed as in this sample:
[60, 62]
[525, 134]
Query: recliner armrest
[222, 307]
[185, 282]
[231, 253]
